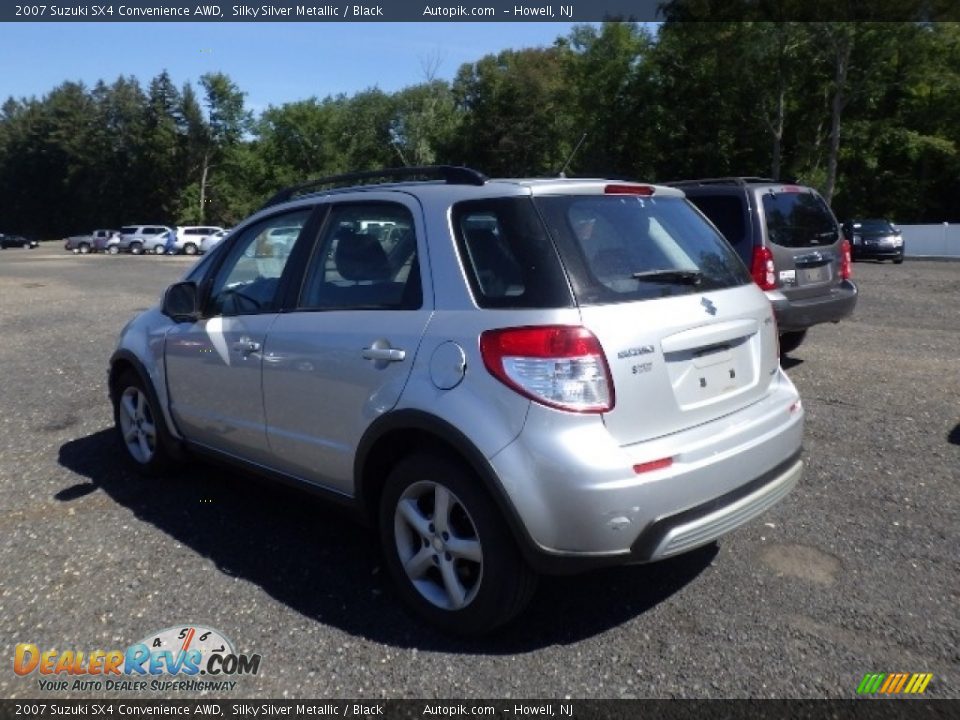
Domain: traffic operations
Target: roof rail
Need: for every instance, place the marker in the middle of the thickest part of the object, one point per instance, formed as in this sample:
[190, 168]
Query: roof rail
[450, 174]
[743, 180]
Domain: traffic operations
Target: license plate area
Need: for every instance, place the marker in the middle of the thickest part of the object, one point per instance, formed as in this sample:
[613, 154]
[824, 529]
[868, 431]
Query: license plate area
[711, 374]
[813, 275]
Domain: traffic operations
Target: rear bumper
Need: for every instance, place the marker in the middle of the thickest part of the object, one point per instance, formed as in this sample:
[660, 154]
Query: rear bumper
[793, 315]
[580, 503]
[685, 531]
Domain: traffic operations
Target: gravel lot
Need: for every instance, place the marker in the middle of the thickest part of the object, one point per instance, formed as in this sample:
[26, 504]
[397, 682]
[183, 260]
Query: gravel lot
[857, 571]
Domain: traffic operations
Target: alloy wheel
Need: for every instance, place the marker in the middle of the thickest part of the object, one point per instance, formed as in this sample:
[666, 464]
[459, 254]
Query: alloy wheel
[137, 425]
[438, 545]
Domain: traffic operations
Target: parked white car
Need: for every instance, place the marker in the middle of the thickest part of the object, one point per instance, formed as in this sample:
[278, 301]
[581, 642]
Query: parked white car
[140, 239]
[190, 238]
[209, 242]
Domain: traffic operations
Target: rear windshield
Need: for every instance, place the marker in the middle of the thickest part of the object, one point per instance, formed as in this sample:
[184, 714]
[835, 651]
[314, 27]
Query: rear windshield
[798, 219]
[628, 248]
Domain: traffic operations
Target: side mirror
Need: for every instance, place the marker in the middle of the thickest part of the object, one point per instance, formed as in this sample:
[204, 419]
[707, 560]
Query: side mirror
[181, 302]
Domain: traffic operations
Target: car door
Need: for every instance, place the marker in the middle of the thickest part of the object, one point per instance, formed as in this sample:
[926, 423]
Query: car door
[341, 359]
[214, 365]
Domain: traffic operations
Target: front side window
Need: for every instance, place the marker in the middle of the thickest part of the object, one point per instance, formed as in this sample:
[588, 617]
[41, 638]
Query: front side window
[627, 248]
[366, 259]
[798, 219]
[249, 278]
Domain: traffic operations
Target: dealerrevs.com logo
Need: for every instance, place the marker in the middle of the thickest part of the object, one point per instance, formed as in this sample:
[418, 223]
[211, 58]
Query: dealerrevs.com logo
[187, 658]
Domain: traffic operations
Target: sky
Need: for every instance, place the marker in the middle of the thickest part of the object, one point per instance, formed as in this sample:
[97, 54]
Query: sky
[273, 63]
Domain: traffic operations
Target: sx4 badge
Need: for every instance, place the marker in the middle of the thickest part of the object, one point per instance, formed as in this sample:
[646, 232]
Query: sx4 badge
[169, 660]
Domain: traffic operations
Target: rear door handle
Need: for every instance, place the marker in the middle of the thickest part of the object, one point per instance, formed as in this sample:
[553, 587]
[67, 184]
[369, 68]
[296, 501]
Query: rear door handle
[246, 347]
[384, 354]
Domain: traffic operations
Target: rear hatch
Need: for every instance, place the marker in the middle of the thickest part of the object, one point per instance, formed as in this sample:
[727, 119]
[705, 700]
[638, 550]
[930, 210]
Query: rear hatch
[804, 238]
[687, 335]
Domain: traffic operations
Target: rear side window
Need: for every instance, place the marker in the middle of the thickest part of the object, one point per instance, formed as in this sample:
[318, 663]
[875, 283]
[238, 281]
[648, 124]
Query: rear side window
[129, 229]
[727, 213]
[798, 219]
[509, 259]
[628, 248]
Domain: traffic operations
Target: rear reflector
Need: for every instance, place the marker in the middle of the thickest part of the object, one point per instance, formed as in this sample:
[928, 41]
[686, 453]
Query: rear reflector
[653, 465]
[762, 269]
[561, 366]
[628, 190]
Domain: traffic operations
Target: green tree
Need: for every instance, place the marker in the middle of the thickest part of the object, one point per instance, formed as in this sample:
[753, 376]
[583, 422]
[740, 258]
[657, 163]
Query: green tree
[216, 145]
[516, 113]
[611, 87]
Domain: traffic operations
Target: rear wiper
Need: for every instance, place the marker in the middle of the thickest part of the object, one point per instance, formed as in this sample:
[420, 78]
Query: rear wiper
[691, 277]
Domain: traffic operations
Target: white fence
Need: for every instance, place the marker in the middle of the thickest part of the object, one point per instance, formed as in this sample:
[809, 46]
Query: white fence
[931, 240]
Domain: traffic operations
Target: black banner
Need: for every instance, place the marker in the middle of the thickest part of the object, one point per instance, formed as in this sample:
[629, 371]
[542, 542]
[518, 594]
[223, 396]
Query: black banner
[477, 10]
[499, 709]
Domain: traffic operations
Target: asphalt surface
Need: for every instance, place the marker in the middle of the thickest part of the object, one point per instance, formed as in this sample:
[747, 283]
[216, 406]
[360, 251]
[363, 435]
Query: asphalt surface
[857, 571]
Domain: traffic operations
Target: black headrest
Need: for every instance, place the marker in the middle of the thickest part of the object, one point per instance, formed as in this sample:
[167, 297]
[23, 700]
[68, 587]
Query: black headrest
[361, 258]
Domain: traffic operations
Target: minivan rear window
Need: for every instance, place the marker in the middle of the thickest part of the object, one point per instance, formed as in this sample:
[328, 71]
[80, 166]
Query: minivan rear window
[798, 219]
[628, 248]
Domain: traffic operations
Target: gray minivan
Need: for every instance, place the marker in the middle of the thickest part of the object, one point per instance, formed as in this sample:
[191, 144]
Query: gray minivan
[790, 240]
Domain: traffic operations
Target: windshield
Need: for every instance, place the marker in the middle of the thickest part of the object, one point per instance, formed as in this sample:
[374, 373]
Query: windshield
[626, 248]
[874, 226]
[798, 219]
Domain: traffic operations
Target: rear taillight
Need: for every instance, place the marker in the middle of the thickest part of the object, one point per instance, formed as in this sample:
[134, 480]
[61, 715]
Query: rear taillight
[762, 270]
[562, 366]
[846, 264]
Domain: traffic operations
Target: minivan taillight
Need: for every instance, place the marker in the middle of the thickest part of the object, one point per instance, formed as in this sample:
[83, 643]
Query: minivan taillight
[846, 262]
[562, 366]
[762, 270]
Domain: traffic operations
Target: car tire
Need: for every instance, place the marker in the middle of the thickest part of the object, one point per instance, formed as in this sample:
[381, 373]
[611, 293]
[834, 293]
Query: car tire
[473, 588]
[140, 425]
[84, 248]
[113, 250]
[790, 341]
[26, 246]
[136, 248]
[190, 249]
[898, 261]
[159, 249]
